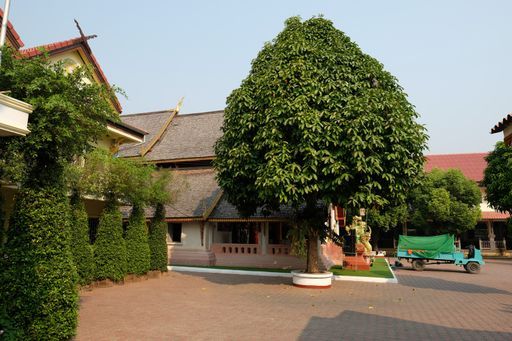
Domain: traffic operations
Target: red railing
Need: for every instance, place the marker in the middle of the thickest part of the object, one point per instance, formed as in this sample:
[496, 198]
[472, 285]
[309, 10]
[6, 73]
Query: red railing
[278, 249]
[237, 249]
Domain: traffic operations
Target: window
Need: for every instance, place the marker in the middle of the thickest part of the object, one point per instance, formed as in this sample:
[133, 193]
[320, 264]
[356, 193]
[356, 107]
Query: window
[93, 229]
[174, 232]
[278, 233]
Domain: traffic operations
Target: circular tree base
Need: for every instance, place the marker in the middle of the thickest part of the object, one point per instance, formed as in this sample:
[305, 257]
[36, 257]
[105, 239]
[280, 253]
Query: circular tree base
[322, 280]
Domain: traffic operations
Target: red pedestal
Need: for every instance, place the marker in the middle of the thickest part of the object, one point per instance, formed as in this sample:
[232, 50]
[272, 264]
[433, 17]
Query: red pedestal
[357, 262]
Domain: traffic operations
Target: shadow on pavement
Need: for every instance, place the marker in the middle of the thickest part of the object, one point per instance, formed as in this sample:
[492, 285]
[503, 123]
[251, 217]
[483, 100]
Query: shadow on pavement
[231, 279]
[444, 285]
[352, 325]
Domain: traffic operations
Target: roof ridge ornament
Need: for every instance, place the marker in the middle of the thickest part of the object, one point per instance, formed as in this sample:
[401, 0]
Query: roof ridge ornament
[145, 149]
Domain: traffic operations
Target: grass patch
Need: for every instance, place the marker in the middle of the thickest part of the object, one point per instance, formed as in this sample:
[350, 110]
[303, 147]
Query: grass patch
[379, 269]
[244, 268]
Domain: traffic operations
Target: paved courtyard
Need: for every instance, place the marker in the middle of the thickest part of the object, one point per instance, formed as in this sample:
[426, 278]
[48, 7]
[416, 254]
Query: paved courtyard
[441, 303]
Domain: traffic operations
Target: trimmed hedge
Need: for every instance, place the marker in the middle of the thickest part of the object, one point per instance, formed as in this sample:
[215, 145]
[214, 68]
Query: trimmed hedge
[137, 248]
[2, 220]
[157, 240]
[109, 247]
[38, 278]
[83, 256]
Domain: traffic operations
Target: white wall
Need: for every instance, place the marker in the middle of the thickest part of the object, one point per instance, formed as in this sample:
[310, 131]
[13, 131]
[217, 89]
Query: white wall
[190, 237]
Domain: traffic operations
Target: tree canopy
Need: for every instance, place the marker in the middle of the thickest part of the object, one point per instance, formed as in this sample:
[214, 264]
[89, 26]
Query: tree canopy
[317, 120]
[446, 202]
[498, 178]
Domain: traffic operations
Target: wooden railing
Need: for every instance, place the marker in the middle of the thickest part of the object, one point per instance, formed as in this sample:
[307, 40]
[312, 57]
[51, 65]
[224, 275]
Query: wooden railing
[278, 249]
[236, 249]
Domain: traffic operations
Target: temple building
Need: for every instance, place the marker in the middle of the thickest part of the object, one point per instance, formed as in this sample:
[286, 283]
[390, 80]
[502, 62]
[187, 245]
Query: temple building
[203, 228]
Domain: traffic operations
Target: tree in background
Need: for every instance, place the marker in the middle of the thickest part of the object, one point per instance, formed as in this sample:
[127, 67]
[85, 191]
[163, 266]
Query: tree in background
[384, 220]
[157, 238]
[38, 278]
[110, 258]
[498, 178]
[137, 247]
[317, 121]
[446, 202]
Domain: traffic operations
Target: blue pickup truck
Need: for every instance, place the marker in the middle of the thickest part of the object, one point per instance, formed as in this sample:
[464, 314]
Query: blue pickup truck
[423, 251]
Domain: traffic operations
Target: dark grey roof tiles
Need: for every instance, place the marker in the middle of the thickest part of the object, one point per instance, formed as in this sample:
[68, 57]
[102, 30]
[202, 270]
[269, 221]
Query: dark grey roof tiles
[195, 191]
[151, 122]
[225, 210]
[188, 135]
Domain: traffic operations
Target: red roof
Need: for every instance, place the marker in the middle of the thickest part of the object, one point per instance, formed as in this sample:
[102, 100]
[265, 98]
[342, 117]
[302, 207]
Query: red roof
[493, 215]
[471, 165]
[65, 45]
[53, 47]
[15, 37]
[500, 126]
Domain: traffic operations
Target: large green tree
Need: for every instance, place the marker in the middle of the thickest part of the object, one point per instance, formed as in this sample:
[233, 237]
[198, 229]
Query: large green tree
[317, 121]
[498, 178]
[385, 219]
[446, 202]
[38, 278]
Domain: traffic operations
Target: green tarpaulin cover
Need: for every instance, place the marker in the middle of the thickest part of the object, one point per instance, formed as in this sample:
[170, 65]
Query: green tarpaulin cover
[427, 247]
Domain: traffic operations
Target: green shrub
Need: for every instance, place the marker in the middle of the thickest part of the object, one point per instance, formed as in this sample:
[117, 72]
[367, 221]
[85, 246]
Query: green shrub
[2, 219]
[109, 247]
[137, 248]
[38, 278]
[9, 331]
[83, 257]
[157, 240]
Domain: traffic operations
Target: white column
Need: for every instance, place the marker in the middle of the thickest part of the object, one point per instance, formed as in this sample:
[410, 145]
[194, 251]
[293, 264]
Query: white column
[490, 234]
[264, 238]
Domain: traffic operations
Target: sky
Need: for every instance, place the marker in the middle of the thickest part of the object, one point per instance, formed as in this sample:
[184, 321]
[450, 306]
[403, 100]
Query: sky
[453, 58]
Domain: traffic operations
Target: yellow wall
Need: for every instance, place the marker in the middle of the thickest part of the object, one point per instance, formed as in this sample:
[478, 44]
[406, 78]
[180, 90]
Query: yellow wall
[71, 60]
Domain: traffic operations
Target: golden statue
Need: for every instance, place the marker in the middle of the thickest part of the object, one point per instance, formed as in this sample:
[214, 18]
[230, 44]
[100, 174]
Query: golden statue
[363, 233]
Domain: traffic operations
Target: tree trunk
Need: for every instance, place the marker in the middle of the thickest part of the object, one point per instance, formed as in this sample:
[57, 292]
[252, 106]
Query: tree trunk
[312, 243]
[375, 239]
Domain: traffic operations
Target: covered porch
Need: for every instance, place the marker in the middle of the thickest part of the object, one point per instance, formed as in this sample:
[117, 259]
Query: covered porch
[253, 243]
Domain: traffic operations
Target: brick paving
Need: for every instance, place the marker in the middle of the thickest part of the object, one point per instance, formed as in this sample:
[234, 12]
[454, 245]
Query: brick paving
[440, 303]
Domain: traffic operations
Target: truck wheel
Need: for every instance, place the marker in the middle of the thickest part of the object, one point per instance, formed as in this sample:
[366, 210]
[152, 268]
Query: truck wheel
[418, 264]
[472, 267]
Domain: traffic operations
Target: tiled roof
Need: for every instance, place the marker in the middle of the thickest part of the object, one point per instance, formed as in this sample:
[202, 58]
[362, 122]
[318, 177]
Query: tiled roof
[493, 215]
[151, 122]
[471, 165]
[195, 191]
[193, 194]
[500, 126]
[188, 135]
[52, 47]
[224, 210]
[65, 45]
[15, 37]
